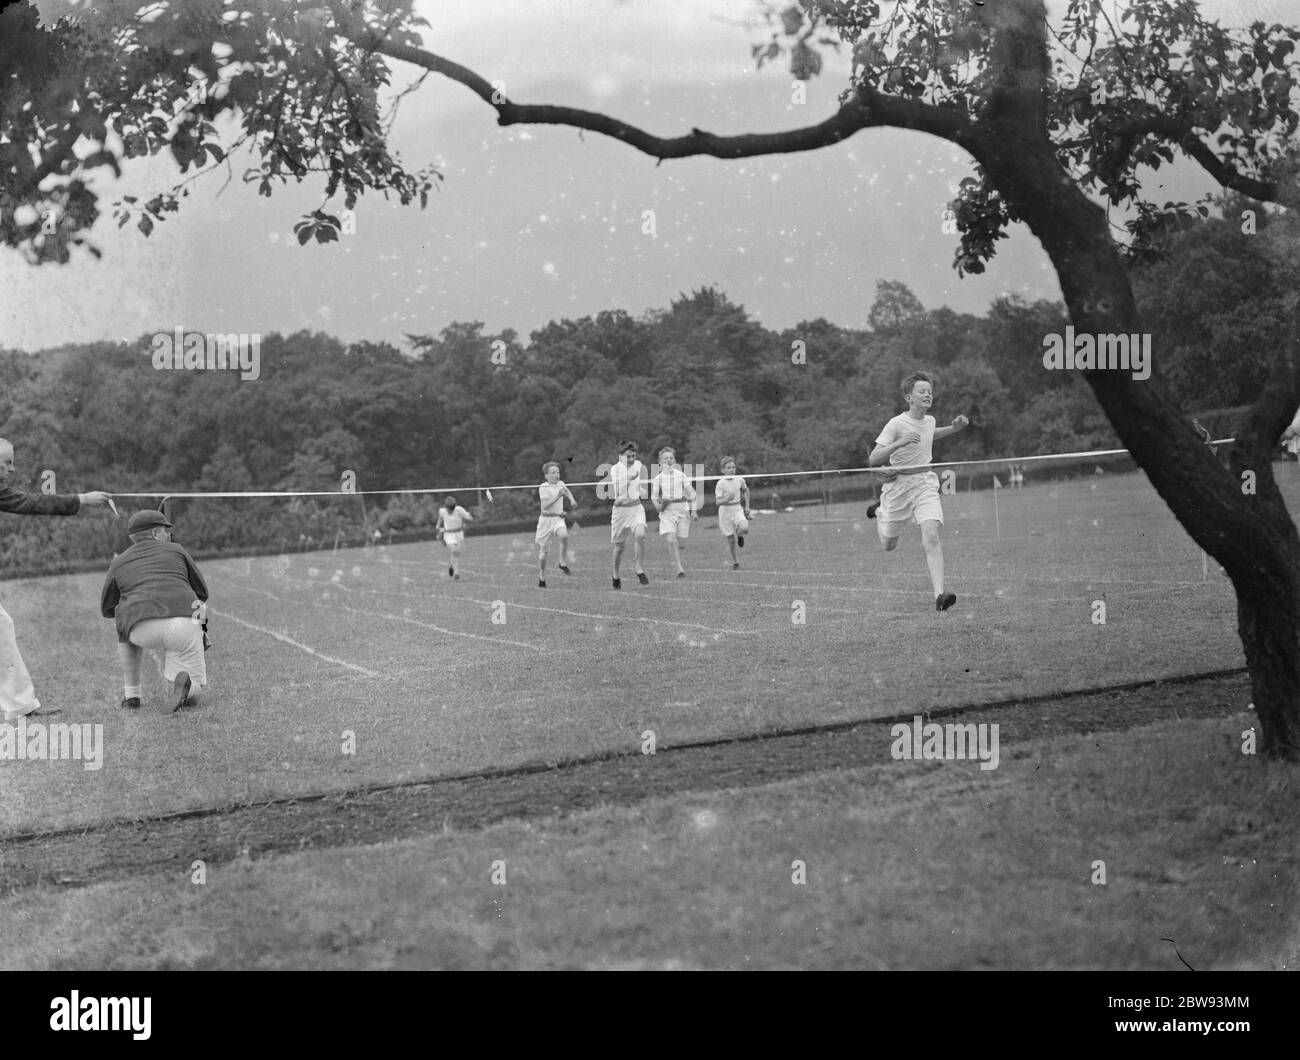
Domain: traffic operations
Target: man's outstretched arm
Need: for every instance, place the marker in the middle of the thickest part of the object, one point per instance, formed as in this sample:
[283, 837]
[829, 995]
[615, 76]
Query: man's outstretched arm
[17, 502]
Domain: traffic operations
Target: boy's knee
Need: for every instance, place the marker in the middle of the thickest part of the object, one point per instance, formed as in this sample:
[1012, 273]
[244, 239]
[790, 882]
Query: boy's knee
[930, 536]
[890, 543]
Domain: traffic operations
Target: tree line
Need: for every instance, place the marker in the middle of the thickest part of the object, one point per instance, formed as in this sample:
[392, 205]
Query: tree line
[466, 407]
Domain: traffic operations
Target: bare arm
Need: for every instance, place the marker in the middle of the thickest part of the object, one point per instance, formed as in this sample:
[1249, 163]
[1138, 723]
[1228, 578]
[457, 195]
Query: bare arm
[958, 424]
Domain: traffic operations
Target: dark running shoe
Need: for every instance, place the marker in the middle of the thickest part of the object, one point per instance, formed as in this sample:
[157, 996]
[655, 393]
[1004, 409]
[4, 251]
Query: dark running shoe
[451, 571]
[735, 566]
[871, 509]
[681, 574]
[131, 703]
[640, 576]
[179, 693]
[565, 569]
[944, 601]
[740, 540]
[618, 583]
[541, 583]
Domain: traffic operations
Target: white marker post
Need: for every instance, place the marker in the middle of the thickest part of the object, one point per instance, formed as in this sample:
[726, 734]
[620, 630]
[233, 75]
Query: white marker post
[997, 522]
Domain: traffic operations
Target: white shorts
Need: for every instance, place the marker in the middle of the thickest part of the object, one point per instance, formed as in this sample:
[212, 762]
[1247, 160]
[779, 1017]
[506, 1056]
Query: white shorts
[549, 526]
[675, 519]
[630, 517]
[914, 497]
[181, 642]
[453, 537]
[732, 521]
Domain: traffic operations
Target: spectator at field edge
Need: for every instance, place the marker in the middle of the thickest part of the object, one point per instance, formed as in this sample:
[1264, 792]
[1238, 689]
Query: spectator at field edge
[1291, 436]
[157, 596]
[17, 695]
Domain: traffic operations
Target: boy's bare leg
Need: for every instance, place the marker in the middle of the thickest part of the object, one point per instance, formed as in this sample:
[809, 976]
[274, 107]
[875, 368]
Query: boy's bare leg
[674, 552]
[638, 553]
[933, 553]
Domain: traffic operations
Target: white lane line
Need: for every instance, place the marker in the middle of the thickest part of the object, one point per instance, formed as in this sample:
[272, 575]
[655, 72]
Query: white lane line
[564, 611]
[296, 644]
[440, 629]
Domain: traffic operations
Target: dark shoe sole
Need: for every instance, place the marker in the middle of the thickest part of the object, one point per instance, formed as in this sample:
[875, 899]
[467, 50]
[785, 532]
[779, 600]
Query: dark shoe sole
[180, 692]
[944, 601]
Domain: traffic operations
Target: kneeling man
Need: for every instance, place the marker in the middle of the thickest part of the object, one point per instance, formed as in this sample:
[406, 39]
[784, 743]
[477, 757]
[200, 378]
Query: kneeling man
[155, 592]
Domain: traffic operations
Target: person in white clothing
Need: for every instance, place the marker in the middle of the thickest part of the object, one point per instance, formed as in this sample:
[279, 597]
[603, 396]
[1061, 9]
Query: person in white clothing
[910, 491]
[550, 524]
[674, 499]
[451, 528]
[732, 497]
[624, 484]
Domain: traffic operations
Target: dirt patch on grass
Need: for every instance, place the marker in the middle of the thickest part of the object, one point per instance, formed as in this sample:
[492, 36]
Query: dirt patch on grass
[122, 849]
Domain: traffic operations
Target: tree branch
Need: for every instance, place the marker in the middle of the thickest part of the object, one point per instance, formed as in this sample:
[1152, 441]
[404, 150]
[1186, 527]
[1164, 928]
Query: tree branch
[867, 109]
[1179, 131]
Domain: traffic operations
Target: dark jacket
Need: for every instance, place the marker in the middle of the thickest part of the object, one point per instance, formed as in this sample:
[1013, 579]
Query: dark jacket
[16, 502]
[151, 579]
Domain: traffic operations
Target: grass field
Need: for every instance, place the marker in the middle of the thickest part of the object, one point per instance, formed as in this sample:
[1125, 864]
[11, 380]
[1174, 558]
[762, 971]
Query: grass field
[383, 644]
[380, 643]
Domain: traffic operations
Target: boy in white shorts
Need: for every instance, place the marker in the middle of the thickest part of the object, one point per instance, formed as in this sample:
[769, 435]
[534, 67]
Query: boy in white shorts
[674, 499]
[625, 487]
[550, 523]
[905, 444]
[732, 497]
[451, 522]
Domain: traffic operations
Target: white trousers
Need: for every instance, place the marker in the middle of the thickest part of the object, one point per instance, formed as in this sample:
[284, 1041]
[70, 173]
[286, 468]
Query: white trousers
[181, 642]
[17, 696]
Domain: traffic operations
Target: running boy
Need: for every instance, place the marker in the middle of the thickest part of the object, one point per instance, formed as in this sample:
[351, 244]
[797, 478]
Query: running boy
[906, 443]
[551, 523]
[451, 521]
[628, 517]
[732, 496]
[673, 496]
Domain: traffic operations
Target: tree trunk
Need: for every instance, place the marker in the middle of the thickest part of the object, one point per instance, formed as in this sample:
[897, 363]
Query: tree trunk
[1248, 530]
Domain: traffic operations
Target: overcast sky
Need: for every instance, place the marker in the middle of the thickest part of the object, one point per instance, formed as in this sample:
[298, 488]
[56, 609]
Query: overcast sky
[535, 224]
